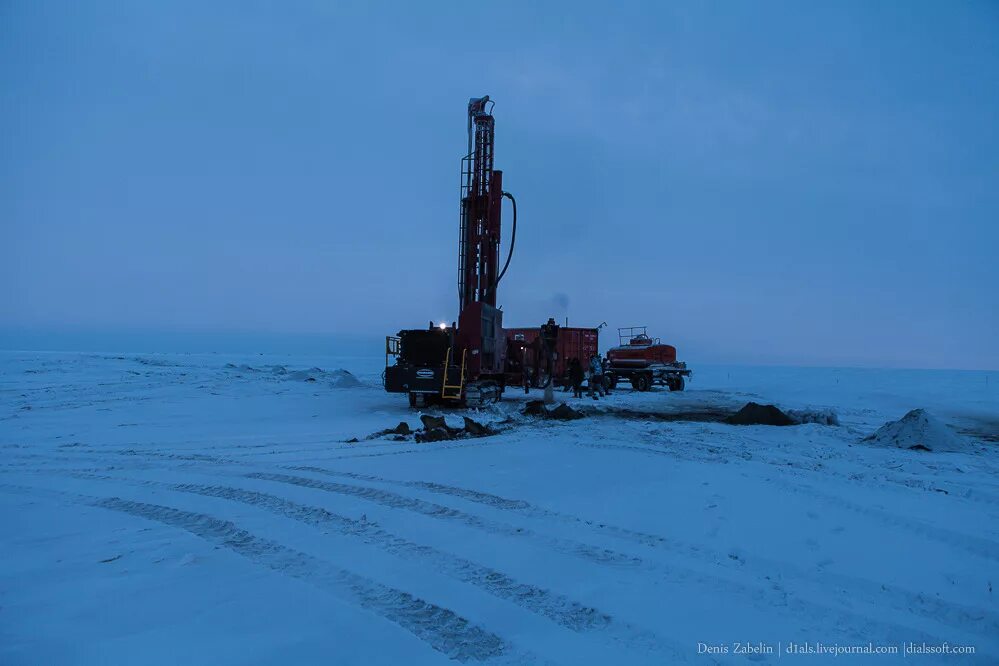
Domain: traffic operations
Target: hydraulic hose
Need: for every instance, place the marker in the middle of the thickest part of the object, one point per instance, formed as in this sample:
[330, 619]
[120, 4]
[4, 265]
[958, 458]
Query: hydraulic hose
[513, 239]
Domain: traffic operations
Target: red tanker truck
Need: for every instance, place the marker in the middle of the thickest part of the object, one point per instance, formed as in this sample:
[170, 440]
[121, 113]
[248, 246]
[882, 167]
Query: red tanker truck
[644, 361]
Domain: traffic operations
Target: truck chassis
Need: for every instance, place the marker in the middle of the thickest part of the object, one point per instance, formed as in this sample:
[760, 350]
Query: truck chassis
[644, 378]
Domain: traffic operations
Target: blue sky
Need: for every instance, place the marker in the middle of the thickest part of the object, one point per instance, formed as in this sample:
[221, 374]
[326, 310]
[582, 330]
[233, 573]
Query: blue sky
[758, 182]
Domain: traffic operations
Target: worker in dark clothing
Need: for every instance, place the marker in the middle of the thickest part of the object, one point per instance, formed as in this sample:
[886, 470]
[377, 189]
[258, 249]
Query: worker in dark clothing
[576, 377]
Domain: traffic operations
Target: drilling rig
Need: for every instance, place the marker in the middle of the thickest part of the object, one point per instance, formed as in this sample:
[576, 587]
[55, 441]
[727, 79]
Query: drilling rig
[463, 363]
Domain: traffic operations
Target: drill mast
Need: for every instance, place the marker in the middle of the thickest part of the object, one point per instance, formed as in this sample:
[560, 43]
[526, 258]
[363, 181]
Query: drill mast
[481, 198]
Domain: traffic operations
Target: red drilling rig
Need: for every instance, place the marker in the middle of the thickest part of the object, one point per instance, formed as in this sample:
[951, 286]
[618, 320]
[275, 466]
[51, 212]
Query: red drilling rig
[471, 360]
[464, 363]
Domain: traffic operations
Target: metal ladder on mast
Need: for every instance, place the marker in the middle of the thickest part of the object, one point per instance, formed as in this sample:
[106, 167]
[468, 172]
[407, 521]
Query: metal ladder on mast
[457, 388]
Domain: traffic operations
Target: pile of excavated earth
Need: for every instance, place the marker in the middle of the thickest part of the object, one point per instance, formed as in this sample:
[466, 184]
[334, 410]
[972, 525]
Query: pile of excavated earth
[921, 431]
[756, 414]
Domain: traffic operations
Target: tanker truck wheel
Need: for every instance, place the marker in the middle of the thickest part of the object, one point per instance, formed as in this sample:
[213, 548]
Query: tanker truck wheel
[641, 382]
[675, 383]
[610, 381]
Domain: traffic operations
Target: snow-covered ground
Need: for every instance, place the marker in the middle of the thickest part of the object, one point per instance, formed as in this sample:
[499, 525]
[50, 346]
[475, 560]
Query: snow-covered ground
[206, 509]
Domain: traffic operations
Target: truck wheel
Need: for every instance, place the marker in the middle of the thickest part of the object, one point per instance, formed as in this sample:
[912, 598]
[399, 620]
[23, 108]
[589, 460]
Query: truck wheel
[610, 381]
[641, 382]
[680, 384]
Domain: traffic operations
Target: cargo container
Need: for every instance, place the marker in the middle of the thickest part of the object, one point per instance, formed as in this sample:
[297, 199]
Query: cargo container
[525, 354]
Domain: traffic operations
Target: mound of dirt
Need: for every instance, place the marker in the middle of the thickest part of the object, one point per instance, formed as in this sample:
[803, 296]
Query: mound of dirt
[341, 378]
[562, 413]
[921, 431]
[756, 414]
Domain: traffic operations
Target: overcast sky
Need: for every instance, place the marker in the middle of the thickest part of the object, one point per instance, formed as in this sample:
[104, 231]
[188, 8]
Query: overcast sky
[802, 183]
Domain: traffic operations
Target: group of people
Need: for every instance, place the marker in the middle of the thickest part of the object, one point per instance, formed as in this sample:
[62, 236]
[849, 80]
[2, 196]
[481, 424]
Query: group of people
[594, 372]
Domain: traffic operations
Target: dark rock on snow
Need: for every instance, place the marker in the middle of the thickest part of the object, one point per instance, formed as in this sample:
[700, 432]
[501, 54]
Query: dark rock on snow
[535, 408]
[562, 413]
[565, 413]
[476, 429]
[401, 430]
[433, 422]
[434, 435]
[435, 429]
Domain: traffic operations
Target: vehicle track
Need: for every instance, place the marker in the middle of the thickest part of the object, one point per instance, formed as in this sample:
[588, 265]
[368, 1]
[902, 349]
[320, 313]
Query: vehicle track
[518, 506]
[441, 628]
[559, 609]
[768, 592]
[984, 548]
[393, 500]
[849, 587]
[769, 575]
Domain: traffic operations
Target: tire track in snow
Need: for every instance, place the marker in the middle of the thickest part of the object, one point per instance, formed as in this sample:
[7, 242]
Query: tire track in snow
[585, 551]
[958, 615]
[849, 587]
[771, 590]
[810, 463]
[984, 548]
[766, 594]
[654, 452]
[769, 575]
[518, 506]
[441, 628]
[559, 609]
